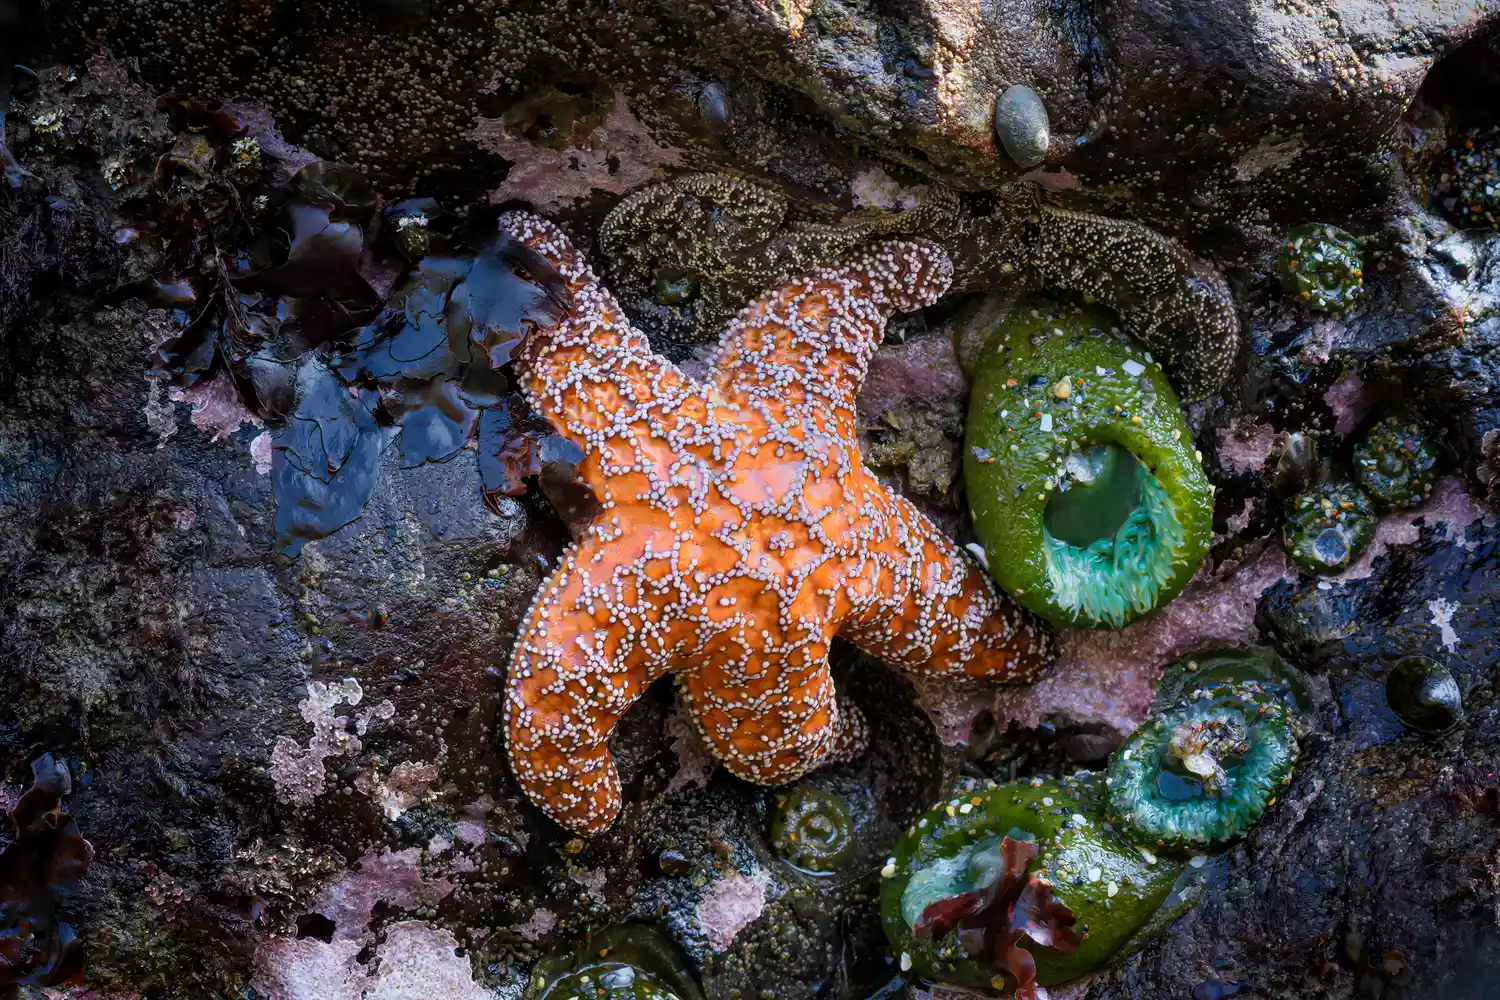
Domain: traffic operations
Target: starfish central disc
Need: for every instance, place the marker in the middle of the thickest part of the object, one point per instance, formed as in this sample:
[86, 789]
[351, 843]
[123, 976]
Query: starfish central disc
[738, 533]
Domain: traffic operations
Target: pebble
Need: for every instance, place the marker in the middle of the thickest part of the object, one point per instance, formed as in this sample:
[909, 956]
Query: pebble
[1021, 125]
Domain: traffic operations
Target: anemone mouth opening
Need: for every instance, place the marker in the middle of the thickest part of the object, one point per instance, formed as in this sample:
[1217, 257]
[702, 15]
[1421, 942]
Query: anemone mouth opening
[1113, 538]
[1105, 485]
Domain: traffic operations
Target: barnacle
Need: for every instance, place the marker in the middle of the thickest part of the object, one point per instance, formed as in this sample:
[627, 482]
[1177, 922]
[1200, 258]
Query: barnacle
[1205, 767]
[1323, 266]
[1087, 495]
[1328, 526]
[1396, 463]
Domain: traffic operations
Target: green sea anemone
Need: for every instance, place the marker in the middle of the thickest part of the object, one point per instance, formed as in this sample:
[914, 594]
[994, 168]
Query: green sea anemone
[813, 830]
[1035, 883]
[1323, 266]
[1087, 494]
[625, 962]
[1328, 527]
[1203, 769]
[1021, 885]
[1396, 463]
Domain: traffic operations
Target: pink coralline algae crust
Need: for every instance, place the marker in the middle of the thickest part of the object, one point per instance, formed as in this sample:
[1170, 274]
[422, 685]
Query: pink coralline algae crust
[421, 962]
[1349, 403]
[217, 409]
[1108, 677]
[617, 156]
[1245, 446]
[260, 452]
[695, 765]
[415, 962]
[408, 784]
[391, 877]
[922, 370]
[730, 905]
[537, 926]
[1448, 504]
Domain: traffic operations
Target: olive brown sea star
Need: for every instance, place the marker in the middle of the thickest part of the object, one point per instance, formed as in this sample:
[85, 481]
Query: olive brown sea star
[738, 533]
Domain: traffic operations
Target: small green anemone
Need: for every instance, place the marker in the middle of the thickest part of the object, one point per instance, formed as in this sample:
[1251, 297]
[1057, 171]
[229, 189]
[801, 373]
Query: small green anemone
[1397, 462]
[813, 830]
[625, 962]
[1323, 266]
[1328, 527]
[1202, 771]
[1087, 495]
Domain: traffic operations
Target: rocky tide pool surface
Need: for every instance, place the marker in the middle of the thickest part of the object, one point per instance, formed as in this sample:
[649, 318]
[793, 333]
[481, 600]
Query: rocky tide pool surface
[727, 500]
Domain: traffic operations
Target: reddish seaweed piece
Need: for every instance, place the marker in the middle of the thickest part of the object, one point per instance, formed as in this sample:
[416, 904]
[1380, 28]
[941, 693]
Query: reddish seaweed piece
[992, 919]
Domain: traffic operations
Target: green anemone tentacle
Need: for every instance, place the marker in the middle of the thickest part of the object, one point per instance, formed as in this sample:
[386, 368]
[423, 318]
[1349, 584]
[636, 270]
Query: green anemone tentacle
[1087, 495]
[1104, 847]
[1328, 527]
[1203, 770]
[1323, 266]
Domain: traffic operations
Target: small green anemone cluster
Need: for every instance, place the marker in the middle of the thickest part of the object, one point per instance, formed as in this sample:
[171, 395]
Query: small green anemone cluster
[1217, 749]
[1086, 491]
[1329, 523]
[1328, 526]
[1035, 883]
[1323, 266]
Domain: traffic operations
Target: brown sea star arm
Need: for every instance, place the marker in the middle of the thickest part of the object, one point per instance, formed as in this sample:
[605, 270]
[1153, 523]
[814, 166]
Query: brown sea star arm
[600, 631]
[812, 338]
[593, 373]
[770, 718]
[930, 611]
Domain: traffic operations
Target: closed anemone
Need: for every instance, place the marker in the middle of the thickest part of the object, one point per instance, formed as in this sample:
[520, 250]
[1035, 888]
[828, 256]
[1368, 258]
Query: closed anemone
[624, 962]
[1087, 495]
[813, 830]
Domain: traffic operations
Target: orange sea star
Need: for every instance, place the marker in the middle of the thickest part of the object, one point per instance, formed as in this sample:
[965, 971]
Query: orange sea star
[738, 533]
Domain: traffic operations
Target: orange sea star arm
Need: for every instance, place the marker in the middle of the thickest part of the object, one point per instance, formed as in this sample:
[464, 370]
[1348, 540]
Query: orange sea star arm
[769, 718]
[931, 611]
[593, 373]
[602, 628]
[810, 340]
